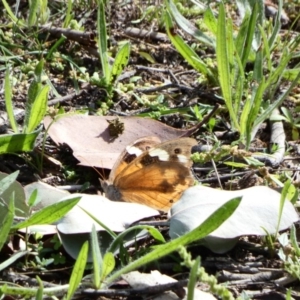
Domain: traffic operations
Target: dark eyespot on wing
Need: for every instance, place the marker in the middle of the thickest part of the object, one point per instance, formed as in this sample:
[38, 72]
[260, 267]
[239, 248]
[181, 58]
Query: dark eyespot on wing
[177, 151]
[148, 160]
[128, 158]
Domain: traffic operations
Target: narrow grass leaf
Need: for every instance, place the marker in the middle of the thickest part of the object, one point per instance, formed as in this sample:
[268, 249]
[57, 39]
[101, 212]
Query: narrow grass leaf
[210, 21]
[7, 181]
[4, 265]
[102, 40]
[294, 240]
[33, 7]
[40, 290]
[257, 94]
[278, 102]
[185, 50]
[283, 198]
[241, 36]
[249, 36]
[119, 239]
[208, 226]
[187, 26]
[7, 222]
[49, 214]
[38, 110]
[121, 61]
[11, 14]
[224, 65]
[33, 200]
[277, 25]
[193, 279]
[78, 270]
[8, 103]
[68, 16]
[97, 258]
[110, 232]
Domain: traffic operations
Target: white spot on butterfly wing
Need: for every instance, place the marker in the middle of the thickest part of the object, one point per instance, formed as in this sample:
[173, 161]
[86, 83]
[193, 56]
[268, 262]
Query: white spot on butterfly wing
[134, 150]
[161, 154]
[182, 158]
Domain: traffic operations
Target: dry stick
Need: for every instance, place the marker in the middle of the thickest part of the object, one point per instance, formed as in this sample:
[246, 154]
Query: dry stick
[83, 38]
[141, 291]
[68, 97]
[142, 33]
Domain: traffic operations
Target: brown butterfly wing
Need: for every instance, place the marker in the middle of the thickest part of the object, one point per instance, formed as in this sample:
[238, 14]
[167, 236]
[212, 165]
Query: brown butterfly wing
[130, 153]
[158, 177]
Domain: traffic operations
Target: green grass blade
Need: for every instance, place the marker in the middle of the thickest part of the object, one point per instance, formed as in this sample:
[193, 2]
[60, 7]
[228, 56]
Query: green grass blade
[68, 17]
[208, 226]
[8, 103]
[224, 65]
[187, 26]
[97, 258]
[49, 214]
[78, 270]
[278, 102]
[7, 181]
[119, 239]
[38, 110]
[121, 61]
[11, 14]
[249, 36]
[40, 291]
[193, 279]
[277, 25]
[102, 40]
[187, 52]
[33, 7]
[210, 21]
[16, 256]
[7, 222]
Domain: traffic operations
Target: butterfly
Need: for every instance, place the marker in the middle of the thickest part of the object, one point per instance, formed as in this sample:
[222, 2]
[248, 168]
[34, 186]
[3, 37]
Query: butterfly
[151, 173]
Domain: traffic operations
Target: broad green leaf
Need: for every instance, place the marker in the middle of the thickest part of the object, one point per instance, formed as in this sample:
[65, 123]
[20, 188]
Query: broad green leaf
[108, 265]
[78, 270]
[208, 226]
[121, 61]
[18, 142]
[49, 214]
[8, 103]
